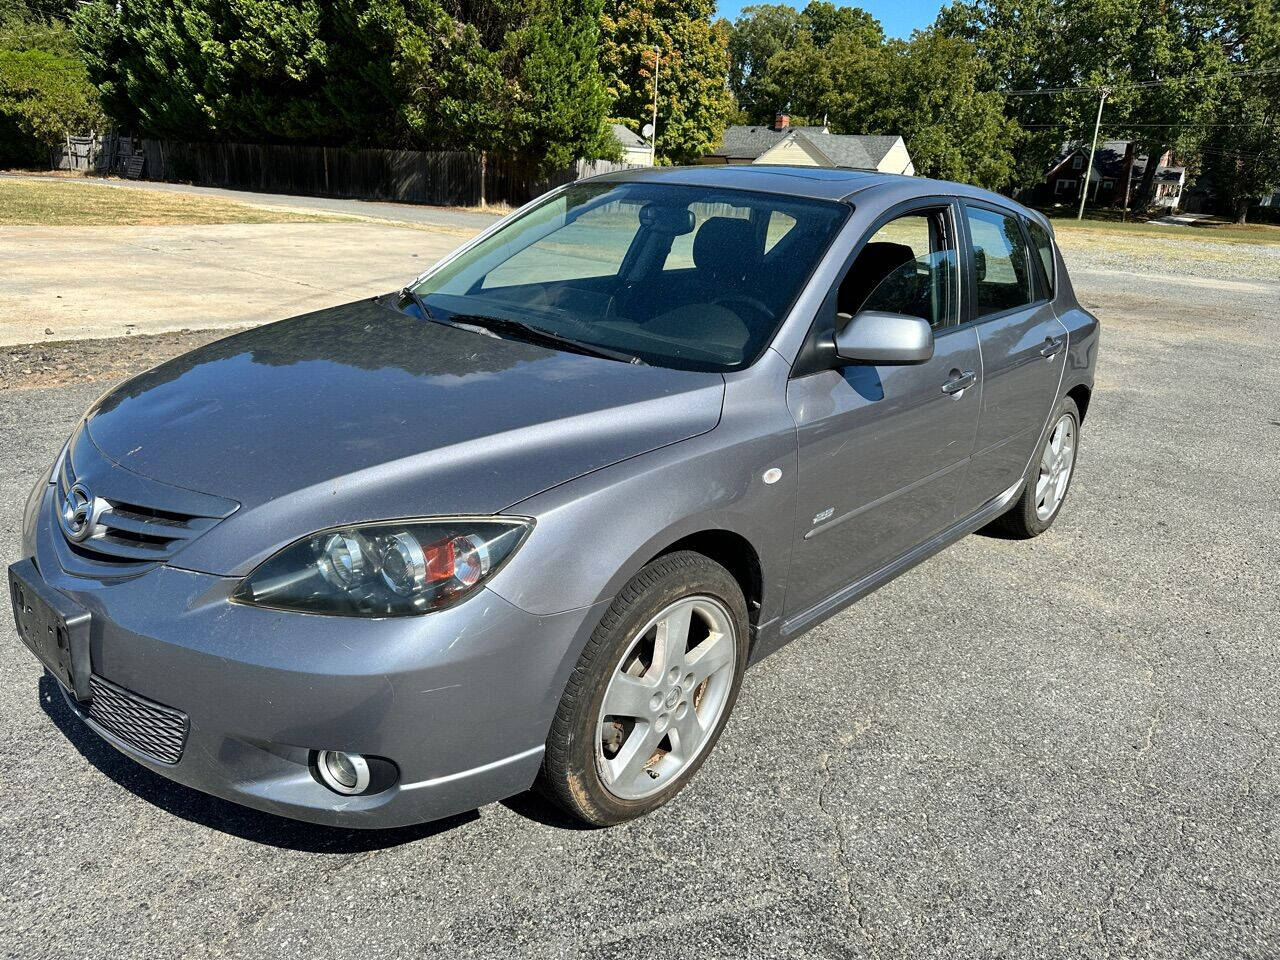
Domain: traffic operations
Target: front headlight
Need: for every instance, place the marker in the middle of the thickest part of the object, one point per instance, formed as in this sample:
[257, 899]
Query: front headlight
[385, 569]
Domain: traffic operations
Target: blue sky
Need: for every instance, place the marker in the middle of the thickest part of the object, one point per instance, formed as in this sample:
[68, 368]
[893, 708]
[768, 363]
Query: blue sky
[899, 17]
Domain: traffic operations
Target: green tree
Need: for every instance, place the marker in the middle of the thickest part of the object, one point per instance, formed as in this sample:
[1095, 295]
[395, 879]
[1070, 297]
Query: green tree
[507, 75]
[1022, 46]
[558, 98]
[781, 59]
[759, 34]
[45, 92]
[1241, 155]
[931, 94]
[934, 90]
[842, 81]
[694, 102]
[825, 21]
[1163, 63]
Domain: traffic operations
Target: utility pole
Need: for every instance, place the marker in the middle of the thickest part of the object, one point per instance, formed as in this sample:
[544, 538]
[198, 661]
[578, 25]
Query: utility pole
[653, 142]
[1088, 170]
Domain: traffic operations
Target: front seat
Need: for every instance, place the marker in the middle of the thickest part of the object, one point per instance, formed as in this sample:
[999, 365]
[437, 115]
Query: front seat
[726, 253]
[875, 264]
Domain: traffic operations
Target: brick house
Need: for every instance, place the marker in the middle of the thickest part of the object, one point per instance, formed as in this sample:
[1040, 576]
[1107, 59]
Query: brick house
[1116, 170]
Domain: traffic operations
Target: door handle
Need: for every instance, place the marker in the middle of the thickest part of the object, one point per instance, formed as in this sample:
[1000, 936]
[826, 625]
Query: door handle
[959, 382]
[1051, 347]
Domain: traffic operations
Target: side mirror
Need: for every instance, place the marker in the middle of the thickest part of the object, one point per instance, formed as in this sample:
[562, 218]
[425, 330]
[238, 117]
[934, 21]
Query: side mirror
[891, 339]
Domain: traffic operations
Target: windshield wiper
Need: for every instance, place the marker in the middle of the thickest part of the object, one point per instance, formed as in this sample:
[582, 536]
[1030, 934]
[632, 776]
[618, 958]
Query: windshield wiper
[529, 332]
[408, 293]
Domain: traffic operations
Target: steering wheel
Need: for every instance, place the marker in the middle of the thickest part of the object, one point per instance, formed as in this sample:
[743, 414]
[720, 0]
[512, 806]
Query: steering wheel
[754, 303]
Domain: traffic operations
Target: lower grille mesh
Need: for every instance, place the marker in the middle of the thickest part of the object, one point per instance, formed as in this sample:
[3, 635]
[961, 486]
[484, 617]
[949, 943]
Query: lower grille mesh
[152, 728]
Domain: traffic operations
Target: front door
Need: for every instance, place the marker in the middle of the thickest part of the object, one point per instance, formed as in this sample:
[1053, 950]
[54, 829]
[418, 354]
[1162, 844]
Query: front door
[882, 448]
[1023, 351]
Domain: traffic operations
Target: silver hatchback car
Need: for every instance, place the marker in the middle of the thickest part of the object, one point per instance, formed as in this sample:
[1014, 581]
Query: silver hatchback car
[528, 520]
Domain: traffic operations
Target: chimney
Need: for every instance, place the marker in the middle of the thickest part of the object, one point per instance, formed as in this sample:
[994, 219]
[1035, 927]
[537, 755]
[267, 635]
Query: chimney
[781, 122]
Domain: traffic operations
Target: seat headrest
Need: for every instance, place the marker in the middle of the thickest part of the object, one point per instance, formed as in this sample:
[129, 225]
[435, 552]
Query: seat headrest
[876, 261]
[725, 248]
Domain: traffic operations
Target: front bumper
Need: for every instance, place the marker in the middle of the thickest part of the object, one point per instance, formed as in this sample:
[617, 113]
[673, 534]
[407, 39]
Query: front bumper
[460, 700]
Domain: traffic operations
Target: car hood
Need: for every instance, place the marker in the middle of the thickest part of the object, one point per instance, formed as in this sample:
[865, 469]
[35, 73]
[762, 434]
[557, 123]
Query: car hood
[360, 412]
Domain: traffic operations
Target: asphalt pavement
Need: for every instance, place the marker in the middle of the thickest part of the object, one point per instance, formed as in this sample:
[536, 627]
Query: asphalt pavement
[1063, 747]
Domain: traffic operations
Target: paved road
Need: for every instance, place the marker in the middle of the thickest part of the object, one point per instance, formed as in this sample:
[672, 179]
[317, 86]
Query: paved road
[1059, 748]
[113, 281]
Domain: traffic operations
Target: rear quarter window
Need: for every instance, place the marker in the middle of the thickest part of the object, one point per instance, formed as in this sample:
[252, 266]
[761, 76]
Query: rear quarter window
[1043, 243]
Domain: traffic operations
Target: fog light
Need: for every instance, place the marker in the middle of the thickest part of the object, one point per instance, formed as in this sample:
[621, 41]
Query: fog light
[346, 773]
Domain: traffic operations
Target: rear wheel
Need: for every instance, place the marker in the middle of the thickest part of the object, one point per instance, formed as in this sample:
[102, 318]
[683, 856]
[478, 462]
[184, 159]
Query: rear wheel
[651, 692]
[1049, 478]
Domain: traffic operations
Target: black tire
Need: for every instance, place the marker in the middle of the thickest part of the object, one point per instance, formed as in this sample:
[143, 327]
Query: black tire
[570, 776]
[1021, 521]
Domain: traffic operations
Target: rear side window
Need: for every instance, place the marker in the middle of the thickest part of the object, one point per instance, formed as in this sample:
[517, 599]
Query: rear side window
[1044, 247]
[1001, 265]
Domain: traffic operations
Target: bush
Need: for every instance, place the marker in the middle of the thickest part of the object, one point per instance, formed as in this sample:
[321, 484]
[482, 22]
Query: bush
[1264, 215]
[44, 92]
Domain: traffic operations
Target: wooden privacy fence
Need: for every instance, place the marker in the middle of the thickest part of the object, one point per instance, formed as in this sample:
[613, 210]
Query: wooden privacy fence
[89, 153]
[411, 176]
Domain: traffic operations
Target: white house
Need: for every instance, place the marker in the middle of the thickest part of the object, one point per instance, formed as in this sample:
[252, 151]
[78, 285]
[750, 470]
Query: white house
[811, 147]
[635, 149]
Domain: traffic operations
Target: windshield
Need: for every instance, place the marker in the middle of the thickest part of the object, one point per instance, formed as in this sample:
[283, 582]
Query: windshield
[689, 277]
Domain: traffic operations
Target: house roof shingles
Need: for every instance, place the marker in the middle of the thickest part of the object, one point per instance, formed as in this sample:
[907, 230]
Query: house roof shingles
[846, 150]
[842, 150]
[627, 137]
[747, 143]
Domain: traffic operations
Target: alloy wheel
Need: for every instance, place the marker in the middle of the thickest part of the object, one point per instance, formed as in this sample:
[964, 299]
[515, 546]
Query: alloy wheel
[665, 697]
[1056, 463]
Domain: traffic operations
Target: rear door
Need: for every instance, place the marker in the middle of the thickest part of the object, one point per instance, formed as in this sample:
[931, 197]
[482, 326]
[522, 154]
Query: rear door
[1023, 349]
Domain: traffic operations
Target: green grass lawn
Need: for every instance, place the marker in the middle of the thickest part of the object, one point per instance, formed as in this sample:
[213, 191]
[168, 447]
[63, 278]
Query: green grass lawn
[59, 202]
[1066, 226]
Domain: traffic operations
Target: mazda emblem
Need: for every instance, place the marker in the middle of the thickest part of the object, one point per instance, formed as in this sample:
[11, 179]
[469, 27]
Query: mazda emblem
[79, 513]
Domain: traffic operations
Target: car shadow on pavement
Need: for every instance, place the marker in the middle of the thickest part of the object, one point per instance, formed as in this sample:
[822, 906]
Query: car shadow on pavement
[223, 815]
[533, 806]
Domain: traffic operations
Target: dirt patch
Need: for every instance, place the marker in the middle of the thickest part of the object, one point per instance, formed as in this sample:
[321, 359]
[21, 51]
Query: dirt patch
[85, 361]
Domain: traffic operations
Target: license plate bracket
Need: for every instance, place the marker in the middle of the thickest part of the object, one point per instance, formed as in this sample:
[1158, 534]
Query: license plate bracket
[53, 626]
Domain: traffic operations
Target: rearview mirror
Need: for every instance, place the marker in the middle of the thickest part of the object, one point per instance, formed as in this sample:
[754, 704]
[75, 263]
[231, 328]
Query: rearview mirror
[669, 220]
[883, 338]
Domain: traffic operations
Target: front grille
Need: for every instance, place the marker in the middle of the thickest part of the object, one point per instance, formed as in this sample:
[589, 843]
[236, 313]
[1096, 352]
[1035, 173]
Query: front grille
[149, 727]
[135, 523]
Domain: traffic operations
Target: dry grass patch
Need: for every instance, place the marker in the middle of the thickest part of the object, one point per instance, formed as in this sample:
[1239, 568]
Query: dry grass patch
[64, 203]
[1216, 232]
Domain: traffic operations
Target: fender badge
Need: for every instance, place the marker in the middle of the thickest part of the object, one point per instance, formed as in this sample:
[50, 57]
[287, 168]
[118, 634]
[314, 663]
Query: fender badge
[824, 515]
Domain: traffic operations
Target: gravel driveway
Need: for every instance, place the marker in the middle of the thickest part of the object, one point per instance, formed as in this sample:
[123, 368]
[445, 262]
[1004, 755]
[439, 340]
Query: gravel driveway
[1066, 747]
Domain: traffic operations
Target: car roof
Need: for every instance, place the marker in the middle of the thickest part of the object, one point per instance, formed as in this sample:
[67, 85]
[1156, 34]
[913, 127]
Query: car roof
[817, 183]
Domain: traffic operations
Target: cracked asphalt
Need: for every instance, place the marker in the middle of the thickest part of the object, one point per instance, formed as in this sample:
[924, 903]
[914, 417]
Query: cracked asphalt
[1056, 748]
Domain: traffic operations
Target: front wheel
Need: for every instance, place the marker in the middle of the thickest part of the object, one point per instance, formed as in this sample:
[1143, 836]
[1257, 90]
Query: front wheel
[651, 692]
[1049, 478]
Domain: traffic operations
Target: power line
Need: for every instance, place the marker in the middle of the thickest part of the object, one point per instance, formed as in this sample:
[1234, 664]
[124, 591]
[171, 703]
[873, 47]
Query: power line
[1199, 126]
[1050, 91]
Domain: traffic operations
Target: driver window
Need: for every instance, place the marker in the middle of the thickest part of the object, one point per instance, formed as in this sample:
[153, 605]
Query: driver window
[909, 267]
